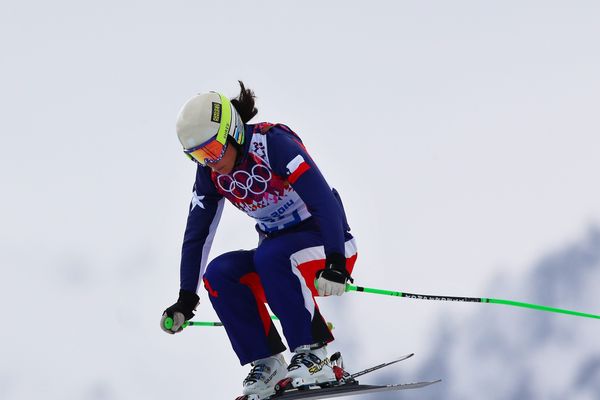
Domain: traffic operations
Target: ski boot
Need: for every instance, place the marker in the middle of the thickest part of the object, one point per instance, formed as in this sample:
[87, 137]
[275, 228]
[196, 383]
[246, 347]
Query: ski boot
[310, 366]
[265, 373]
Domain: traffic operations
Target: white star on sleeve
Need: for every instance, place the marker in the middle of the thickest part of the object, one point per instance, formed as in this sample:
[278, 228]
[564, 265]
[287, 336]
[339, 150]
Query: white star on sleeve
[196, 201]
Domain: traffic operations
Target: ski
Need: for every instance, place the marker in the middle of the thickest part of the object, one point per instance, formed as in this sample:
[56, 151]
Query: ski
[375, 368]
[349, 389]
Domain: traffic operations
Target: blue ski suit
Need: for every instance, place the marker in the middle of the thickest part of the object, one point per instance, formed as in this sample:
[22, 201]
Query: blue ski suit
[300, 221]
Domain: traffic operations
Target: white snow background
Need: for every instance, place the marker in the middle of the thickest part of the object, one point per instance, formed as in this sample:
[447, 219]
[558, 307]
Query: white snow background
[463, 137]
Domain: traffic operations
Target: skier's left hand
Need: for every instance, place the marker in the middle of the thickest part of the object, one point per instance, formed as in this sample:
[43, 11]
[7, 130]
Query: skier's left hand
[332, 280]
[180, 312]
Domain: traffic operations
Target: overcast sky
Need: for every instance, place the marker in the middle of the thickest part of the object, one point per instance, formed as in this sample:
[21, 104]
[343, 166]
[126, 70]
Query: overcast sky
[463, 137]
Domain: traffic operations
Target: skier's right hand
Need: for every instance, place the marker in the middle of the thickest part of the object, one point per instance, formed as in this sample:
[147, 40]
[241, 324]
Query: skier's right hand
[180, 312]
[332, 280]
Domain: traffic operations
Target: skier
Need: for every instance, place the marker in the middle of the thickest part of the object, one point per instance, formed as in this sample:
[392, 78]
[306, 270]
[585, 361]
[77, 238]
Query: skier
[264, 170]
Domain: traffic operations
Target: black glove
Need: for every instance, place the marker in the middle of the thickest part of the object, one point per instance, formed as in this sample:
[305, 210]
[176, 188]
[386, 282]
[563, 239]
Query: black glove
[180, 312]
[332, 279]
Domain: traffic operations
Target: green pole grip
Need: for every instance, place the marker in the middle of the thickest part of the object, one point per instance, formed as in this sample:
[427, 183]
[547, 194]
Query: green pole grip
[168, 323]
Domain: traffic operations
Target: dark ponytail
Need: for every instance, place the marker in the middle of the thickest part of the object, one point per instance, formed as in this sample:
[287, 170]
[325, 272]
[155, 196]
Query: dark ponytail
[244, 103]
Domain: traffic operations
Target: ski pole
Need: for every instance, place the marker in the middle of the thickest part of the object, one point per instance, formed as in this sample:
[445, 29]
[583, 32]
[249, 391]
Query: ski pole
[350, 288]
[168, 324]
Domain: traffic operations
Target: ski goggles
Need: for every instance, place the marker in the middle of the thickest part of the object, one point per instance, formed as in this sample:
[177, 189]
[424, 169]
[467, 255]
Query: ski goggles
[210, 151]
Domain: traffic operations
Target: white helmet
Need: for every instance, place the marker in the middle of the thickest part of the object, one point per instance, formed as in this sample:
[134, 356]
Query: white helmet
[208, 116]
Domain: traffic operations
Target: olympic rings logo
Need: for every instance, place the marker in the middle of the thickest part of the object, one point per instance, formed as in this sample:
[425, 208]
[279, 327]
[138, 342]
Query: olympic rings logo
[242, 183]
